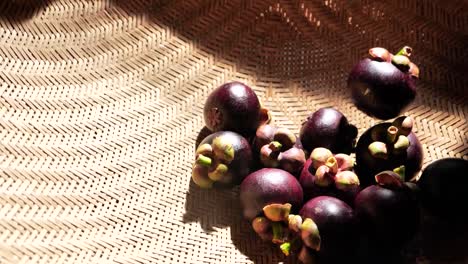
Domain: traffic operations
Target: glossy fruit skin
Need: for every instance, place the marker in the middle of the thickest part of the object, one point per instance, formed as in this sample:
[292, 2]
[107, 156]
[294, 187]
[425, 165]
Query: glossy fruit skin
[443, 186]
[388, 217]
[368, 166]
[242, 163]
[336, 223]
[380, 89]
[268, 186]
[311, 190]
[328, 128]
[233, 106]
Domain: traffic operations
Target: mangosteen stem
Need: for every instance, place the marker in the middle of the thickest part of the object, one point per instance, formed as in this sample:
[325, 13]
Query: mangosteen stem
[406, 51]
[286, 246]
[275, 146]
[401, 172]
[392, 133]
[203, 160]
[277, 232]
[332, 163]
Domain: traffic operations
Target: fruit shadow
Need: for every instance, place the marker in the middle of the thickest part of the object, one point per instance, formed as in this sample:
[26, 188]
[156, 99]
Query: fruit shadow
[20, 10]
[443, 242]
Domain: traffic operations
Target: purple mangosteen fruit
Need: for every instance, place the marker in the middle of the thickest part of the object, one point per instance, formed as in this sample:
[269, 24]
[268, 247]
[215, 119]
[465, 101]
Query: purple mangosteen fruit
[389, 146]
[222, 159]
[267, 197]
[328, 128]
[279, 148]
[328, 231]
[388, 213]
[443, 189]
[384, 84]
[329, 175]
[235, 107]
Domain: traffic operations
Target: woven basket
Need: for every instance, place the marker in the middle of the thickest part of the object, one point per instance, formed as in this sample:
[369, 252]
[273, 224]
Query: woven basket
[101, 104]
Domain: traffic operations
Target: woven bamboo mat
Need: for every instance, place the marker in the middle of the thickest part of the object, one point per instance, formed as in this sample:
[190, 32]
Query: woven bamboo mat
[101, 104]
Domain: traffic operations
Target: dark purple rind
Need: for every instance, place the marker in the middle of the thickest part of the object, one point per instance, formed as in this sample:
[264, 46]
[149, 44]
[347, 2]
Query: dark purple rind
[242, 163]
[311, 190]
[390, 89]
[239, 109]
[268, 186]
[328, 128]
[368, 166]
[336, 223]
[443, 189]
[388, 217]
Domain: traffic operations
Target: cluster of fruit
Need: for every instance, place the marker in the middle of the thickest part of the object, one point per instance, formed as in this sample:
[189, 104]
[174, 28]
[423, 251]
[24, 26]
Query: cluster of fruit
[307, 193]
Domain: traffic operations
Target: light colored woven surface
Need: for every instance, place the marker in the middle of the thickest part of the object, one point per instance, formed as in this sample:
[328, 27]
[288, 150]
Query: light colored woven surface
[101, 103]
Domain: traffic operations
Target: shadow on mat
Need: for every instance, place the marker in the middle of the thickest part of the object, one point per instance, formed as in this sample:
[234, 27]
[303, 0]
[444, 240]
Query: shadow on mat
[19, 10]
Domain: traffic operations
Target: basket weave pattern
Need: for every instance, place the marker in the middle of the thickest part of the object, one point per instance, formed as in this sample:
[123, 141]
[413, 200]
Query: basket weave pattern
[101, 104]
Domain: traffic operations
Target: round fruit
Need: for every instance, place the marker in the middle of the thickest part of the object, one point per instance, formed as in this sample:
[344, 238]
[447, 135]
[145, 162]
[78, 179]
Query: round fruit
[443, 188]
[235, 107]
[328, 128]
[223, 158]
[269, 186]
[329, 227]
[388, 146]
[389, 212]
[383, 85]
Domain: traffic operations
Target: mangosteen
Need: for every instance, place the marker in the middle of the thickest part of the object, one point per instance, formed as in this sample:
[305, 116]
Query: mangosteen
[328, 230]
[443, 189]
[267, 197]
[280, 149]
[330, 175]
[388, 213]
[389, 146]
[383, 85]
[328, 128]
[223, 159]
[235, 107]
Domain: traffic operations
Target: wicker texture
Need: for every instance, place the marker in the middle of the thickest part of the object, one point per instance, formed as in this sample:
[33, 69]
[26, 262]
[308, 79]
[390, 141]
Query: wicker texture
[101, 104]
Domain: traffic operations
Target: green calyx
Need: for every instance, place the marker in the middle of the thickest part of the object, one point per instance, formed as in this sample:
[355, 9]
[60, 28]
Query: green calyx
[389, 179]
[277, 212]
[401, 144]
[200, 176]
[379, 54]
[401, 171]
[212, 161]
[223, 150]
[295, 222]
[285, 137]
[346, 180]
[310, 234]
[378, 150]
[345, 162]
[289, 246]
[319, 157]
[392, 133]
[275, 146]
[203, 160]
[218, 173]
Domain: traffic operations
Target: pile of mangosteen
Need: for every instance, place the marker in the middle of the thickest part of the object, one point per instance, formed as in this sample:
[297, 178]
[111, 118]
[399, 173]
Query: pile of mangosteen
[324, 195]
